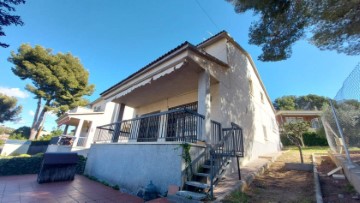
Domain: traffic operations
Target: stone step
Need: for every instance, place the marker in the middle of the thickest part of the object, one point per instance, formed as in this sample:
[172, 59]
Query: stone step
[191, 195]
[202, 174]
[197, 184]
[206, 166]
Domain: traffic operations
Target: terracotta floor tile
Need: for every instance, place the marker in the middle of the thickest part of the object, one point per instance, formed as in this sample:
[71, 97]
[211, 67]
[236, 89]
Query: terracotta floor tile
[10, 199]
[16, 201]
[25, 189]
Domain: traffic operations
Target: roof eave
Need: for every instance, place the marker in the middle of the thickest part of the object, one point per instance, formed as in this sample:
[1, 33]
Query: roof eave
[184, 47]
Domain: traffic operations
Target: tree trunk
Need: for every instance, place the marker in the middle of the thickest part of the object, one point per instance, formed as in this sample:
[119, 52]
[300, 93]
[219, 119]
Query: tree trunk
[36, 112]
[41, 127]
[302, 141]
[33, 131]
[38, 123]
[301, 154]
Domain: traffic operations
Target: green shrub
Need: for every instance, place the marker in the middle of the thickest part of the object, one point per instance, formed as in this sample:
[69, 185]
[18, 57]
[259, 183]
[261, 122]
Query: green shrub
[24, 155]
[115, 187]
[15, 136]
[19, 165]
[310, 139]
[21, 133]
[314, 139]
[285, 141]
[38, 155]
[26, 164]
[80, 168]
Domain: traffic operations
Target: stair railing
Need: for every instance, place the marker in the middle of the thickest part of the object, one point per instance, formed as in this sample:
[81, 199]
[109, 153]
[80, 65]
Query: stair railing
[230, 146]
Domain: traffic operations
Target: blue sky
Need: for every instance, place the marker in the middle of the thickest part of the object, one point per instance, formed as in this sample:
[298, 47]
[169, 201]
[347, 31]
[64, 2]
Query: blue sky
[115, 38]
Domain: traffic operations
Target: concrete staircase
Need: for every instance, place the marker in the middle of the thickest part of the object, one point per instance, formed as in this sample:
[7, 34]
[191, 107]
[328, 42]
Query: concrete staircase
[199, 186]
[217, 159]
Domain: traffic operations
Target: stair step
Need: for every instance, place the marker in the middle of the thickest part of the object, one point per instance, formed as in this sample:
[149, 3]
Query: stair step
[191, 195]
[202, 174]
[198, 184]
[206, 166]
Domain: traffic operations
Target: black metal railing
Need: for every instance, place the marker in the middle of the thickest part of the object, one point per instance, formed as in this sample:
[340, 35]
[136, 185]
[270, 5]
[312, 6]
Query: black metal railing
[175, 125]
[216, 135]
[231, 145]
[228, 143]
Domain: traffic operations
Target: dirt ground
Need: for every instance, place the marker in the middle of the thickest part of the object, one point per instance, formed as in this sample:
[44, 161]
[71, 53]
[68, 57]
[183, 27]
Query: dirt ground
[355, 156]
[334, 190]
[280, 185]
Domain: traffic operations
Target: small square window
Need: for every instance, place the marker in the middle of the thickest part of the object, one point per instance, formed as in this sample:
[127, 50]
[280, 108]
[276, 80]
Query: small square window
[251, 88]
[265, 133]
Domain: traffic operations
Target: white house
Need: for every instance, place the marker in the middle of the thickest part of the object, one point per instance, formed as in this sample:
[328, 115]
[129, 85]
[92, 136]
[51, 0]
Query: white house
[209, 95]
[84, 121]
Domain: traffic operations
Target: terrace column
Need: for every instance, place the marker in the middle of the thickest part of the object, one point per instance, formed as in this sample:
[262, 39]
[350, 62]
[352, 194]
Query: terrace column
[204, 104]
[118, 126]
[121, 112]
[66, 129]
[78, 132]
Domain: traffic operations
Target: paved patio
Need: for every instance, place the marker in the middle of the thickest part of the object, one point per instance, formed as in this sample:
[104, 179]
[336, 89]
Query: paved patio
[24, 188]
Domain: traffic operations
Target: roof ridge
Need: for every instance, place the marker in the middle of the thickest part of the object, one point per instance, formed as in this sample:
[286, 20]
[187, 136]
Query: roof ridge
[212, 37]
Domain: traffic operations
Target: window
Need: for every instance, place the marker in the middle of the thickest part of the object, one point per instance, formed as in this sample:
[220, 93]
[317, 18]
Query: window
[315, 123]
[273, 125]
[290, 119]
[262, 97]
[251, 88]
[265, 133]
[97, 108]
[293, 119]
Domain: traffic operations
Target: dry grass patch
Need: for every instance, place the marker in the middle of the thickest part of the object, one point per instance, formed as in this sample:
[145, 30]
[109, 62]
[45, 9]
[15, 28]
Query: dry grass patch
[280, 185]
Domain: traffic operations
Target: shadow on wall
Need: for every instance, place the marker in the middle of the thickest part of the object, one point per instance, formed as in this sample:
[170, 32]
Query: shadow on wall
[238, 106]
[15, 147]
[236, 103]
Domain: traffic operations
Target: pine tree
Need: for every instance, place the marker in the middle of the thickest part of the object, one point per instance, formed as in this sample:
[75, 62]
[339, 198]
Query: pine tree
[59, 80]
[8, 109]
[334, 25]
[6, 18]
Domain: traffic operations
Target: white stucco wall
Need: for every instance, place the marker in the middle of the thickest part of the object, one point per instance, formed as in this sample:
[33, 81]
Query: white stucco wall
[247, 110]
[110, 114]
[231, 101]
[61, 148]
[218, 50]
[133, 165]
[15, 147]
[58, 148]
[164, 105]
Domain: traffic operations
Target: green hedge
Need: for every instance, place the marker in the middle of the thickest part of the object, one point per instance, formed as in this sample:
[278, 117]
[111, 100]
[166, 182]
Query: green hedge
[30, 165]
[20, 165]
[314, 139]
[80, 168]
[310, 139]
[39, 143]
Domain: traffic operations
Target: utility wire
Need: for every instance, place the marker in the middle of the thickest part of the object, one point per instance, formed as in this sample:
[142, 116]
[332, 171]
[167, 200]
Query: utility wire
[207, 14]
